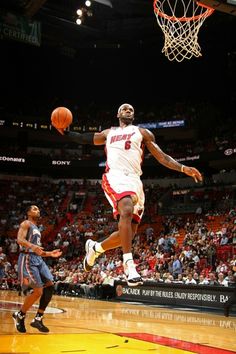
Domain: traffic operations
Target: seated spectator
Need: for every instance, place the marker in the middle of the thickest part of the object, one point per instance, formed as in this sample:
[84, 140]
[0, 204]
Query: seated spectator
[190, 280]
[232, 264]
[224, 240]
[157, 277]
[212, 279]
[221, 268]
[169, 279]
[196, 277]
[231, 280]
[203, 280]
[179, 279]
[221, 280]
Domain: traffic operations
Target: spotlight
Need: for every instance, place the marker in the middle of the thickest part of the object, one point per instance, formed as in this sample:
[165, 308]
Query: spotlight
[88, 3]
[79, 12]
[79, 21]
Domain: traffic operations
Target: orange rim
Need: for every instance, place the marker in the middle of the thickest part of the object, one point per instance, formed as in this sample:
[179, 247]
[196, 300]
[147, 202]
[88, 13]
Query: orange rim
[208, 12]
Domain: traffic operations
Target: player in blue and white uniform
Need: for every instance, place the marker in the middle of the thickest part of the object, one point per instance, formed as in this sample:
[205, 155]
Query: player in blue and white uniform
[33, 272]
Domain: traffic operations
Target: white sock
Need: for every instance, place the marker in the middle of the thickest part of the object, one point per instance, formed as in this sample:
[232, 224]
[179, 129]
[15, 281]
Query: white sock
[128, 257]
[129, 262]
[98, 247]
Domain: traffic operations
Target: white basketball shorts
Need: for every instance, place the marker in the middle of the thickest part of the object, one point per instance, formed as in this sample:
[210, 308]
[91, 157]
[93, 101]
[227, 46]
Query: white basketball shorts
[118, 185]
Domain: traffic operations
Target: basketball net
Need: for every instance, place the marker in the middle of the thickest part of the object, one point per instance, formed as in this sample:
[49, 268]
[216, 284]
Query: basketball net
[180, 21]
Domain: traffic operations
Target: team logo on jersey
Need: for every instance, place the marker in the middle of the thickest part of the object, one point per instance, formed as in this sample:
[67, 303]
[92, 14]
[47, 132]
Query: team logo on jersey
[121, 137]
[36, 232]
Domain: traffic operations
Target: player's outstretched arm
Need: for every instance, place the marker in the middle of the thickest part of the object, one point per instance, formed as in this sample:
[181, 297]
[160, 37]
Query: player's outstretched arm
[167, 160]
[98, 138]
[85, 138]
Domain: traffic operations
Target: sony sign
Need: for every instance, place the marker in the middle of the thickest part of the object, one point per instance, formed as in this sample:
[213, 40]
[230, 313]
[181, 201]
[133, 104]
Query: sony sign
[61, 162]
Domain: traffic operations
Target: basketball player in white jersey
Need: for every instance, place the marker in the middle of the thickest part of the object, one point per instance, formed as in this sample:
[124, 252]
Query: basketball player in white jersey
[122, 184]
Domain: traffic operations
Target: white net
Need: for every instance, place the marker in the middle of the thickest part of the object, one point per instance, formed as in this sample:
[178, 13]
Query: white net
[180, 21]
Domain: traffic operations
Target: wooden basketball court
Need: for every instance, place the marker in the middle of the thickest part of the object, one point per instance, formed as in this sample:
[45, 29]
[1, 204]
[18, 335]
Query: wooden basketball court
[95, 326]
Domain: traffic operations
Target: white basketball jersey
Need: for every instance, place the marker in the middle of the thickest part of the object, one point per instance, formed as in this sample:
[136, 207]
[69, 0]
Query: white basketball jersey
[124, 149]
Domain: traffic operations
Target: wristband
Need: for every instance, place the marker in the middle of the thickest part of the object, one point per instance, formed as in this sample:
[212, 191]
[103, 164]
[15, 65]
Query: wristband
[182, 168]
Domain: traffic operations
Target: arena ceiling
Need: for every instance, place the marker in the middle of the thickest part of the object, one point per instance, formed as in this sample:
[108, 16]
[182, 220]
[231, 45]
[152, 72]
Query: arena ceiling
[113, 24]
[107, 23]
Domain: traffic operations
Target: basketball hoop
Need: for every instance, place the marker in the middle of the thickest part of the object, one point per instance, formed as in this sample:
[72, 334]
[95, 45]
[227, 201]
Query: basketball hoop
[180, 21]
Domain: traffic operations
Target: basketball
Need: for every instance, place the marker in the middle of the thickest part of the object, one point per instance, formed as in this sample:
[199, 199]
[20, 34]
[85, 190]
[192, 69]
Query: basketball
[61, 117]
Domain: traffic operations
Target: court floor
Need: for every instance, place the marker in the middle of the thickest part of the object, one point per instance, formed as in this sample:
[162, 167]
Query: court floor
[95, 326]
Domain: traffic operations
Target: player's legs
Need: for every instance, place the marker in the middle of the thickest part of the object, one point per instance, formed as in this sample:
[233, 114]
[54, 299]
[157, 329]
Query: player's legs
[126, 208]
[125, 194]
[121, 238]
[45, 298]
[30, 277]
[19, 316]
[48, 287]
[31, 299]
[43, 303]
[114, 240]
[136, 202]
[94, 249]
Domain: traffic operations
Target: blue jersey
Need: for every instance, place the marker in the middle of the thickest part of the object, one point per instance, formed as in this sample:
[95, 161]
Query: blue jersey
[33, 236]
[32, 270]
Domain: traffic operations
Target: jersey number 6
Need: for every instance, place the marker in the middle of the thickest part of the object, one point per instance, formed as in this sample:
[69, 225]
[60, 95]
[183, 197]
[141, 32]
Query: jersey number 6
[127, 144]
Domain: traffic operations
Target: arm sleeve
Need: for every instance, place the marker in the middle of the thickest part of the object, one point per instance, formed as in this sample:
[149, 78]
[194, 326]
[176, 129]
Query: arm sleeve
[85, 138]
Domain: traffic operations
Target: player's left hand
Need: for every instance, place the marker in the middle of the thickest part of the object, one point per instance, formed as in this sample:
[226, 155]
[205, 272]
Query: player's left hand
[194, 173]
[60, 130]
[56, 253]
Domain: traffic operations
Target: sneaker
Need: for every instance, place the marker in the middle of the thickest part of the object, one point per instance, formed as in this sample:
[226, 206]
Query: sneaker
[38, 323]
[134, 280]
[91, 255]
[132, 276]
[19, 322]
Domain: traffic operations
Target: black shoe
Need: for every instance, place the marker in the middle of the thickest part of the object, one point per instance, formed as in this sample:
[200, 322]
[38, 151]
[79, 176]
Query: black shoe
[91, 255]
[38, 323]
[135, 281]
[86, 266]
[19, 322]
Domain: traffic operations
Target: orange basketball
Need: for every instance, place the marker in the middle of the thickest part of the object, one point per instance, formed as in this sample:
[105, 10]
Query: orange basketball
[61, 117]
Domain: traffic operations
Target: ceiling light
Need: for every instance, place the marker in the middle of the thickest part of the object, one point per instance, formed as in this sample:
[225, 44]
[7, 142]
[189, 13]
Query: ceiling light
[79, 12]
[79, 21]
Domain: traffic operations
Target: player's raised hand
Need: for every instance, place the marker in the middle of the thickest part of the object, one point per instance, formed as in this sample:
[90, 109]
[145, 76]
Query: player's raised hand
[193, 172]
[60, 130]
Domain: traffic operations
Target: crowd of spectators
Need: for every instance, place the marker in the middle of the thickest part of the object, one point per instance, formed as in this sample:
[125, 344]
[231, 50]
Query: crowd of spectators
[204, 255]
